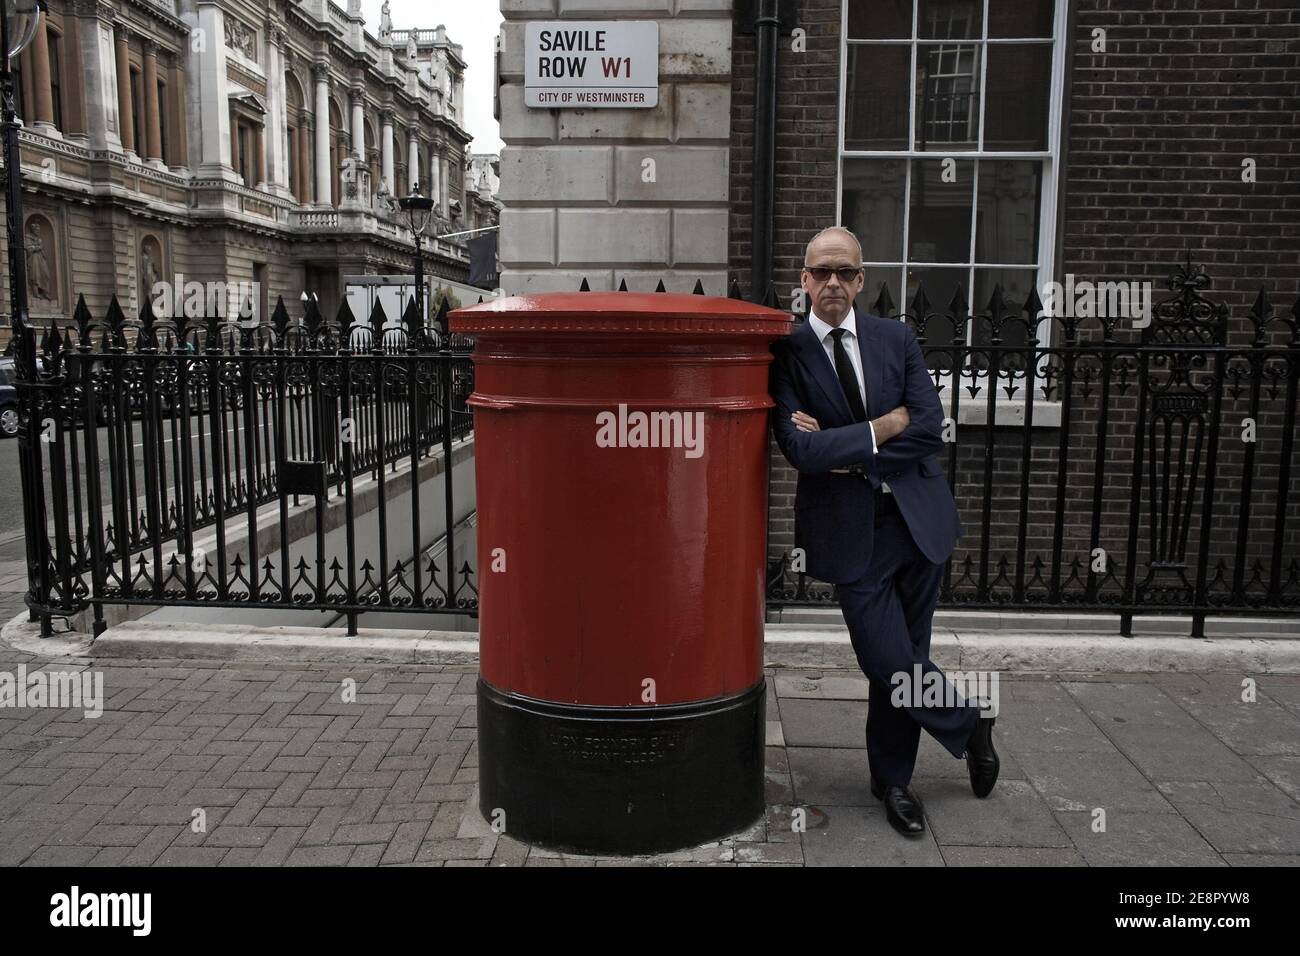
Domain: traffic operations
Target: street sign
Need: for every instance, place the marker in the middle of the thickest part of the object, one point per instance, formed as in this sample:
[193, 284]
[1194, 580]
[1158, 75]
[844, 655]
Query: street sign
[591, 64]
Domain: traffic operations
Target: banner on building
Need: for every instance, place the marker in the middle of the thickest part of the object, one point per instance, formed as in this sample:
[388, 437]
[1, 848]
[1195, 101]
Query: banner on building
[483, 268]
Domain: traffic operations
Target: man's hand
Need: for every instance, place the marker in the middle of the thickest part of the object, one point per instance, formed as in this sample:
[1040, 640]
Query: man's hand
[805, 422]
[885, 427]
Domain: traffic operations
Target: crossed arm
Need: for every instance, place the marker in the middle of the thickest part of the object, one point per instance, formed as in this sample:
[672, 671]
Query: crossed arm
[904, 435]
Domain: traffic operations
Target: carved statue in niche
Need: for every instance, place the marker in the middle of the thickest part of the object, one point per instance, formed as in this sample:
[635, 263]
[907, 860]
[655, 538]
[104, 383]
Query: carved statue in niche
[150, 273]
[40, 274]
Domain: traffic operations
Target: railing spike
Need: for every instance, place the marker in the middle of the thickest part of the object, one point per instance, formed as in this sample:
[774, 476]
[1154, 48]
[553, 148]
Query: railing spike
[884, 306]
[957, 305]
[699, 287]
[1033, 304]
[997, 305]
[147, 326]
[81, 315]
[585, 287]
[444, 326]
[410, 317]
[920, 303]
[280, 318]
[345, 318]
[312, 318]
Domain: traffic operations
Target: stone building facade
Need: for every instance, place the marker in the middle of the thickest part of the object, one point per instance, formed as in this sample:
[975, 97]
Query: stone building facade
[236, 141]
[620, 195]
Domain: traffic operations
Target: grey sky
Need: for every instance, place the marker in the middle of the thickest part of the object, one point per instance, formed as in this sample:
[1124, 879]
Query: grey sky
[473, 24]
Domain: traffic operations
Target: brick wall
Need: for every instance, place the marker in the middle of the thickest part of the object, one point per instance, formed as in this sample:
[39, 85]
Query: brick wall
[1157, 128]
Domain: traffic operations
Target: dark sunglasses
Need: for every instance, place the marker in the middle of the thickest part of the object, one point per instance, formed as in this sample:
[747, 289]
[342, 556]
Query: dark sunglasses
[845, 275]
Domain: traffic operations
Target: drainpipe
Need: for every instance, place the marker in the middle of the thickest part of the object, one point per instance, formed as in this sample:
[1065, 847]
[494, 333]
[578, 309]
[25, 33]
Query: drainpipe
[763, 187]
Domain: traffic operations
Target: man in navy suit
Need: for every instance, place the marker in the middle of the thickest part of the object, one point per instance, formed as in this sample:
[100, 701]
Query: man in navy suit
[858, 416]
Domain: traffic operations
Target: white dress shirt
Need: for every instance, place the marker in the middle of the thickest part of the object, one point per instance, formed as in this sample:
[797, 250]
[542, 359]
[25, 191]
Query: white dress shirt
[823, 331]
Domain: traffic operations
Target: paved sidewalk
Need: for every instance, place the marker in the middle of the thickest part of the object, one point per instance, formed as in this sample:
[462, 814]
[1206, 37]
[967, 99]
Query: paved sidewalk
[288, 774]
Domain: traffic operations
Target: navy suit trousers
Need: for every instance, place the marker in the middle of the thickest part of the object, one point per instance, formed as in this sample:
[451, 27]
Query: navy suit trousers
[889, 612]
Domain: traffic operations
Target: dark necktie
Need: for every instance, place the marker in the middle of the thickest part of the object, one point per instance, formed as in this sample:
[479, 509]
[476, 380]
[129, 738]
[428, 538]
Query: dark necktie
[848, 380]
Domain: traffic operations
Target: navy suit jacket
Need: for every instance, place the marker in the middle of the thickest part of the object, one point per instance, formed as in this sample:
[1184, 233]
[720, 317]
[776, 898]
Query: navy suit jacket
[834, 514]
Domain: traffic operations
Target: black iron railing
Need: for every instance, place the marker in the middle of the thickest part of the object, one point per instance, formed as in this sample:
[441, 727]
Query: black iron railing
[1162, 482]
[136, 436]
[1148, 468]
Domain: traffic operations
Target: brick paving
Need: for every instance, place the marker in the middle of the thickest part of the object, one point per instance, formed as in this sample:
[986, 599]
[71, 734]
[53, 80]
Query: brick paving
[286, 773]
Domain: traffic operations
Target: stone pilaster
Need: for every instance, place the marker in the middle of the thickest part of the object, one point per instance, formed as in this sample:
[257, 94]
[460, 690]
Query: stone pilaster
[207, 92]
[277, 105]
[99, 75]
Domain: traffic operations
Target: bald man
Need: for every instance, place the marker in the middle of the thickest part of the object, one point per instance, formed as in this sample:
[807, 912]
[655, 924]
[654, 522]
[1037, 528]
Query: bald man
[859, 418]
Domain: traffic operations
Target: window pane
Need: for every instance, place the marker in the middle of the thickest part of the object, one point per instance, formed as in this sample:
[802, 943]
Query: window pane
[1010, 196]
[56, 78]
[947, 96]
[135, 112]
[872, 207]
[1019, 83]
[875, 104]
[880, 19]
[162, 120]
[939, 223]
[950, 19]
[1021, 18]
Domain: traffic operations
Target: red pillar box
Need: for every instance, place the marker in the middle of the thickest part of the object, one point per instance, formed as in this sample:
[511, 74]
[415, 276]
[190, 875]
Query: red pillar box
[621, 463]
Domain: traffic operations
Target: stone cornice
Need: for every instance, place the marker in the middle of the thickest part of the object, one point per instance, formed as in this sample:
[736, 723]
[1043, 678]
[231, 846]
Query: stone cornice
[100, 9]
[154, 12]
[277, 34]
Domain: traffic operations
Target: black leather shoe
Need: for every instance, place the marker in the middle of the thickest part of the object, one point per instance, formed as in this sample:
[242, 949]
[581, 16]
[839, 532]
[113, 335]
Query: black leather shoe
[981, 759]
[902, 809]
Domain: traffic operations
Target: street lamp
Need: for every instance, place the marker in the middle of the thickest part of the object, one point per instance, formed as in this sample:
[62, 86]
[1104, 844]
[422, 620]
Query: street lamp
[418, 209]
[19, 21]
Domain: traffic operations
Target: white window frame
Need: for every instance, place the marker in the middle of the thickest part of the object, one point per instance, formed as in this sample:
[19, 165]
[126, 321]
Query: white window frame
[1050, 157]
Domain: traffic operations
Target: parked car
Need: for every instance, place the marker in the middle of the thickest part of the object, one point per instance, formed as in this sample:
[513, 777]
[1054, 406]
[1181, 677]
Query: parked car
[8, 399]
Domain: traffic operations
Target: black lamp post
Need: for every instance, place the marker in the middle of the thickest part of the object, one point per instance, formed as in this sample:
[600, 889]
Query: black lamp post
[418, 211]
[19, 20]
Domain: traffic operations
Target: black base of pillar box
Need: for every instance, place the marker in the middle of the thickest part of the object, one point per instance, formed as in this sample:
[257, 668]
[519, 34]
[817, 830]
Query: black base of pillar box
[620, 780]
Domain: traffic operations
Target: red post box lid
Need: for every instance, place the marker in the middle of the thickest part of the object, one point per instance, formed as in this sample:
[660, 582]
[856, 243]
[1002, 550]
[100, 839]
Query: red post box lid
[632, 312]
